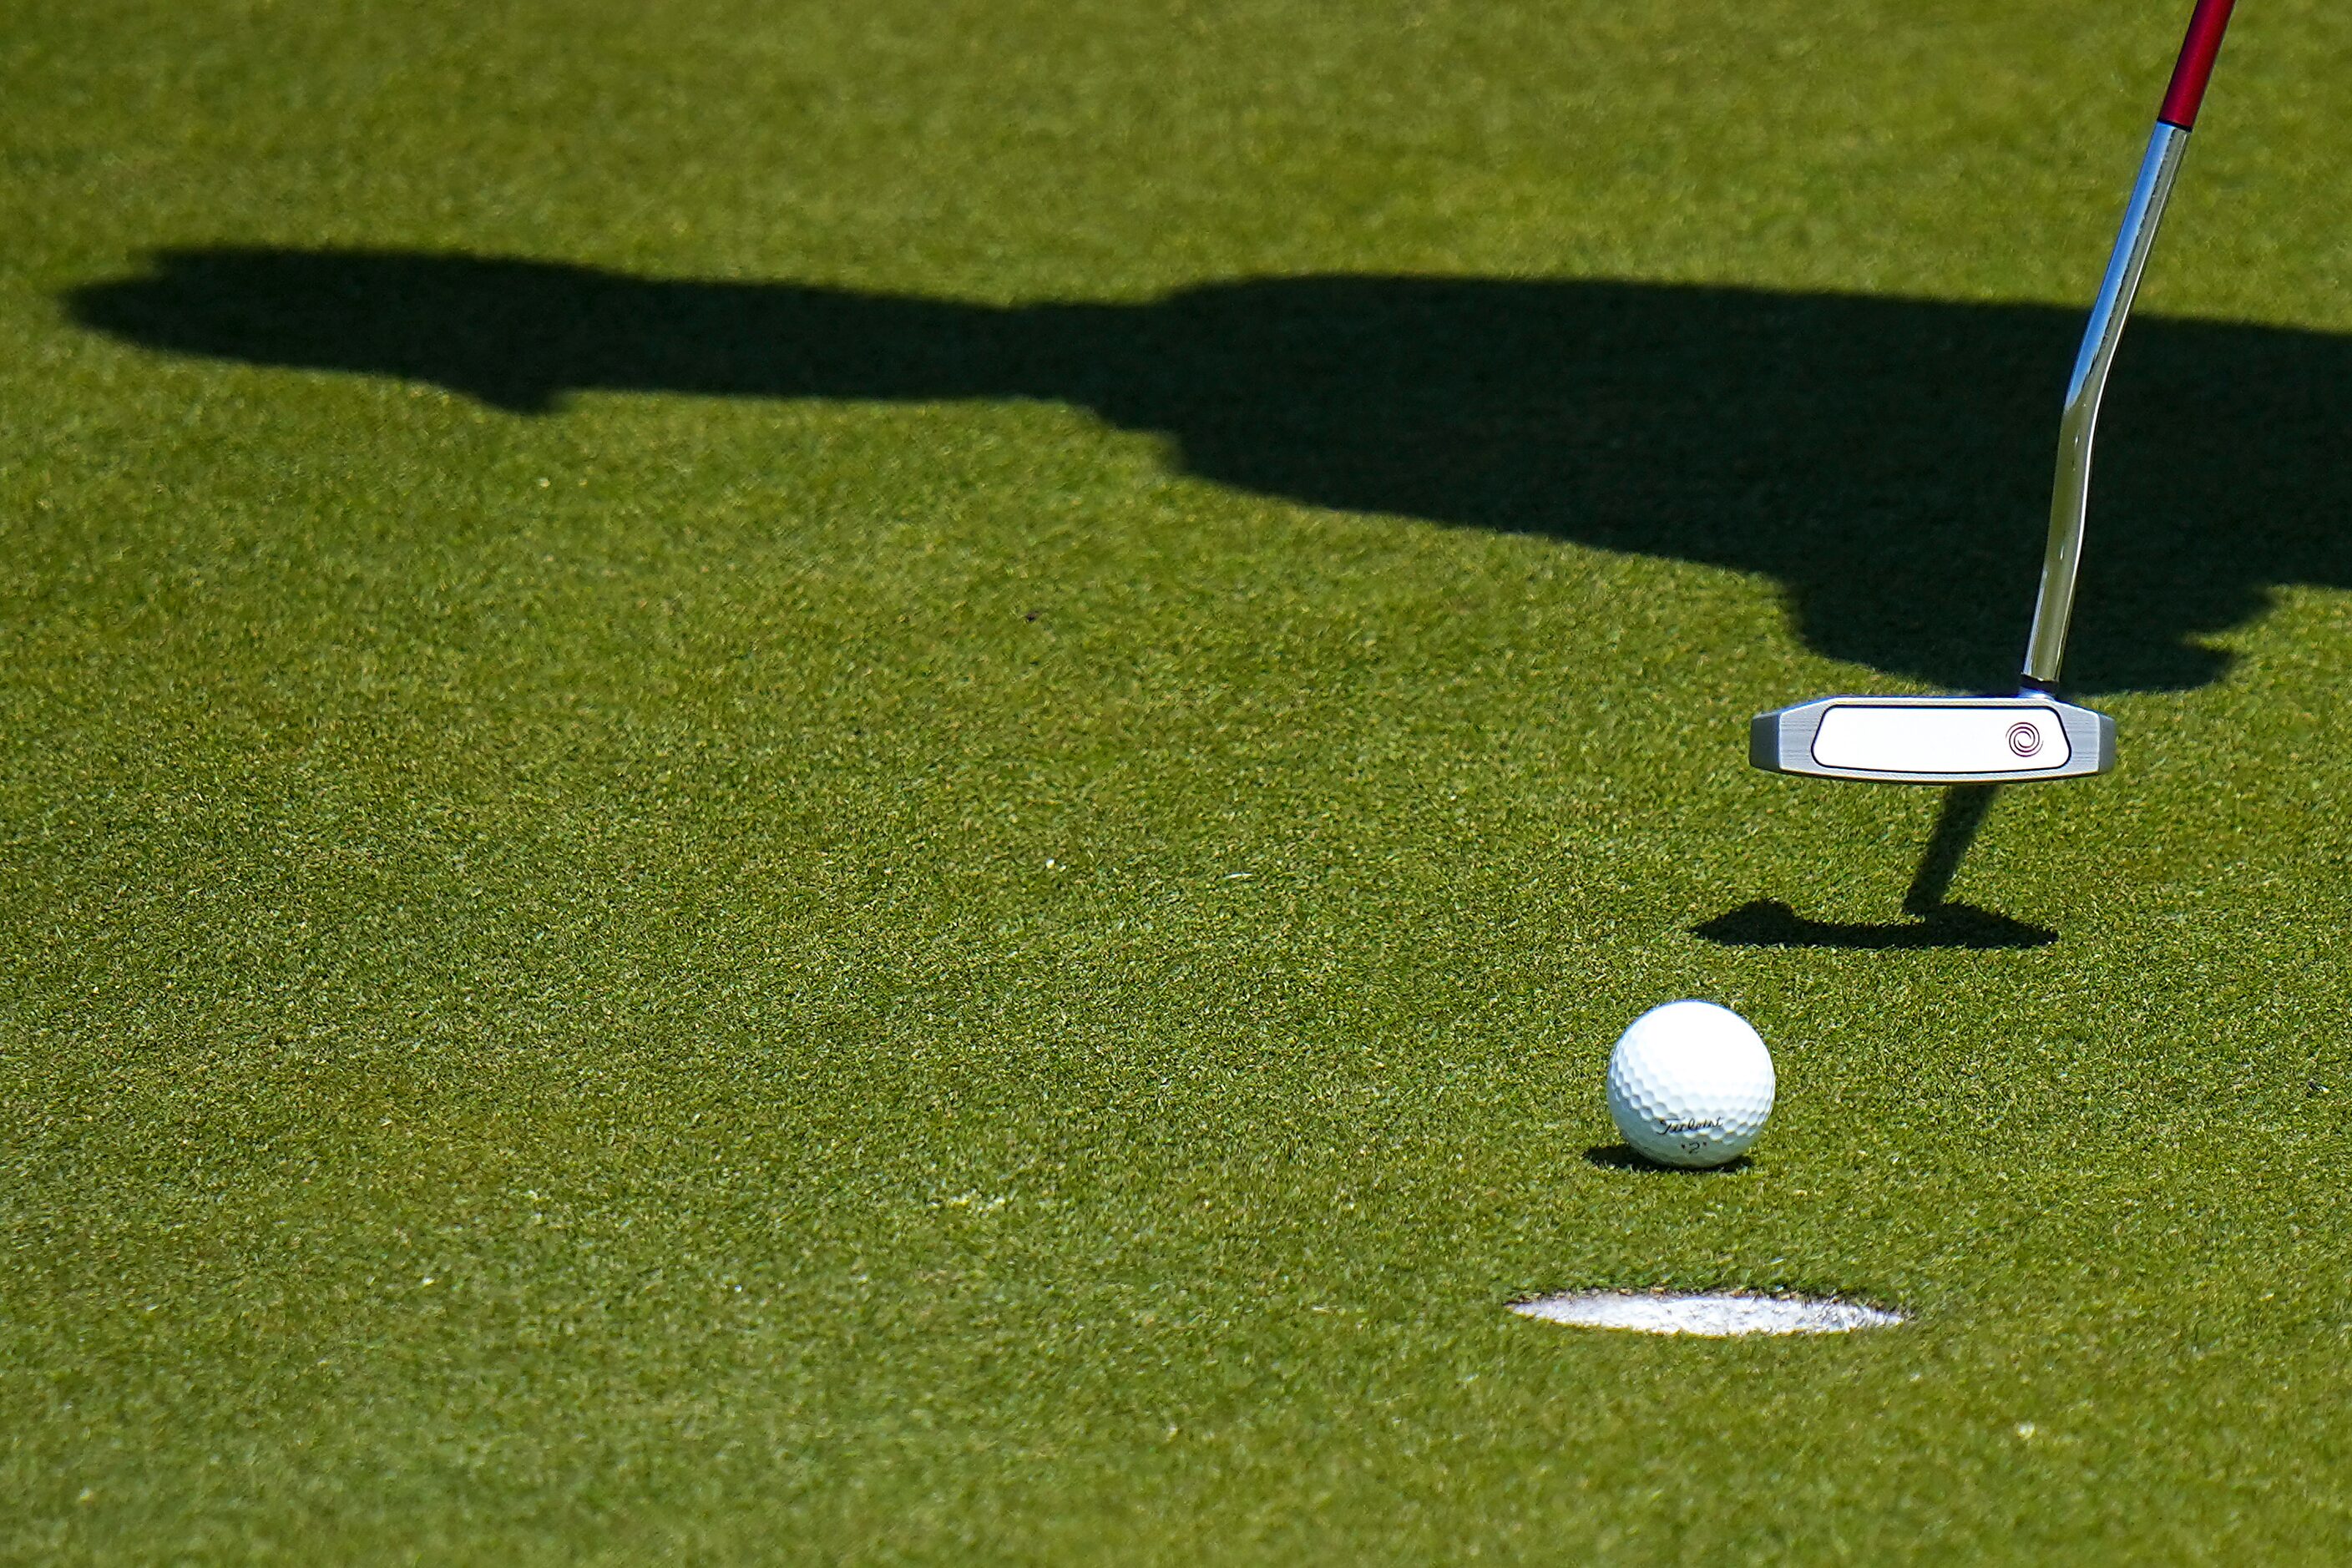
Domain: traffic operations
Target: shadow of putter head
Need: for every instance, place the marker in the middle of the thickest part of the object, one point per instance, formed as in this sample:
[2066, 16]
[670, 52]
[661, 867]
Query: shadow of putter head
[2032, 735]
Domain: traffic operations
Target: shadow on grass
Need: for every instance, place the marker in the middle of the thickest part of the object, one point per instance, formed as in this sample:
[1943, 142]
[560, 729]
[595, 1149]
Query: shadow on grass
[1885, 461]
[1765, 923]
[1622, 1157]
[1936, 921]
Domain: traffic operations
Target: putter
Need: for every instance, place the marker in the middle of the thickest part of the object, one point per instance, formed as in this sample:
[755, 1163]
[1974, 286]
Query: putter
[2032, 735]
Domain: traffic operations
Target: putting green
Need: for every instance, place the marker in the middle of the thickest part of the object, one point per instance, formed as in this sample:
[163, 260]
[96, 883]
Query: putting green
[788, 782]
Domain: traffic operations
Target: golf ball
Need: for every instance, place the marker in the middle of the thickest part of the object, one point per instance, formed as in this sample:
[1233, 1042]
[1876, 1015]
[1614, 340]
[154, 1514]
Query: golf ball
[1690, 1084]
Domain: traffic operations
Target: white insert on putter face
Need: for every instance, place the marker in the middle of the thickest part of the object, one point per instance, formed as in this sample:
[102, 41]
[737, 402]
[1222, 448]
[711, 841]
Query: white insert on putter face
[1934, 739]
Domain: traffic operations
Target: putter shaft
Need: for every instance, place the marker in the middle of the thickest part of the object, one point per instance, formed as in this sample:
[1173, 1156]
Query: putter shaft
[2054, 605]
[2070, 497]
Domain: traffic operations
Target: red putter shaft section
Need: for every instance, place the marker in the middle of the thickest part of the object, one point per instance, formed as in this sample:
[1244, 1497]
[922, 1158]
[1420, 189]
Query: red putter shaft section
[2187, 92]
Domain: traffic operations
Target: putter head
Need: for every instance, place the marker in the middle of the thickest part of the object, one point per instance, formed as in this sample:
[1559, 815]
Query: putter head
[1934, 739]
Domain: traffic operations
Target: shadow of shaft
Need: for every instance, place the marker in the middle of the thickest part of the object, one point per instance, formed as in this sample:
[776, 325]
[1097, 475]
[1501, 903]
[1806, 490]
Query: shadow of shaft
[1957, 821]
[1936, 922]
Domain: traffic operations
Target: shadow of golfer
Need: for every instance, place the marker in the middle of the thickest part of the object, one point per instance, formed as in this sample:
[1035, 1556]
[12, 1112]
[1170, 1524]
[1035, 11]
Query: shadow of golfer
[1885, 461]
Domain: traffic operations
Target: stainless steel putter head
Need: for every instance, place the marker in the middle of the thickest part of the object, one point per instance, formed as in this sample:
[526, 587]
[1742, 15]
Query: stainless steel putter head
[1934, 739]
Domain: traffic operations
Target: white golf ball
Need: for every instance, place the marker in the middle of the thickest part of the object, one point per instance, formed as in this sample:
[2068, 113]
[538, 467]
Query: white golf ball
[1690, 1084]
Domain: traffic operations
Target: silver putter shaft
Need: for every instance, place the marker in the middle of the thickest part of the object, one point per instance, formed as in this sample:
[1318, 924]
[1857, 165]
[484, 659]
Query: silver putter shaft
[1989, 740]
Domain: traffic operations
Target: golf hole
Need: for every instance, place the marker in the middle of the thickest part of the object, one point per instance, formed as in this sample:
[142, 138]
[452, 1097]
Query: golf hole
[1722, 1314]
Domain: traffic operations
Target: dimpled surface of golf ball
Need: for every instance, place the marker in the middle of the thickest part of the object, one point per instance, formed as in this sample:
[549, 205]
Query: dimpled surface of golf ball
[1690, 1084]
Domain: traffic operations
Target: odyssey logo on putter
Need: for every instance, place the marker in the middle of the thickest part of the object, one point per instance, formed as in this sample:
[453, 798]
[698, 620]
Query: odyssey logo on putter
[2032, 735]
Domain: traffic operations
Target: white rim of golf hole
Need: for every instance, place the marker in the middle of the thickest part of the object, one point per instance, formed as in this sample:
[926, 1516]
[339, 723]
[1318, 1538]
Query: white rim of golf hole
[1711, 1314]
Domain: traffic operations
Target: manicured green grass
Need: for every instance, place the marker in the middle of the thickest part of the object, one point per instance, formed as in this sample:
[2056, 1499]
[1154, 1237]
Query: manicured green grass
[808, 783]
